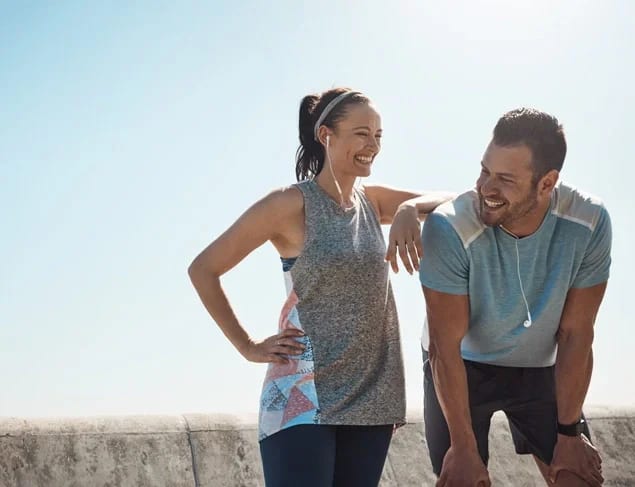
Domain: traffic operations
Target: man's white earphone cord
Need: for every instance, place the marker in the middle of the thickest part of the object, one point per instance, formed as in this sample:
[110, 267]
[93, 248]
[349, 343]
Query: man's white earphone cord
[527, 322]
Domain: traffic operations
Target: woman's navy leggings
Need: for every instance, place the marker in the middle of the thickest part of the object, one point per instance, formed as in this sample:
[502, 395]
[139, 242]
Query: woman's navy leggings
[325, 456]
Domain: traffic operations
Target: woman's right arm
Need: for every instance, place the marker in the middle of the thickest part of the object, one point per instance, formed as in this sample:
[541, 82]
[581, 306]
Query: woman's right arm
[266, 220]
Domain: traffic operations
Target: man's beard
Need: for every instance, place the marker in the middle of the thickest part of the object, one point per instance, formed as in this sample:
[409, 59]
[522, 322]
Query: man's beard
[512, 213]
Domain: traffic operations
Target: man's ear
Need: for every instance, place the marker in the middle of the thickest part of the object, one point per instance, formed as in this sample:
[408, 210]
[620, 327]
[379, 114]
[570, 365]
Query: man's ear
[548, 182]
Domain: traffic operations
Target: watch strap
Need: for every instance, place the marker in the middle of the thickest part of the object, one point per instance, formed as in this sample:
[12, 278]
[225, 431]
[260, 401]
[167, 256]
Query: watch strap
[573, 429]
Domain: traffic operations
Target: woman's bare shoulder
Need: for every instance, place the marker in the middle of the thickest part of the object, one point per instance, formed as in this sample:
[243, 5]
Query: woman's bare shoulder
[285, 199]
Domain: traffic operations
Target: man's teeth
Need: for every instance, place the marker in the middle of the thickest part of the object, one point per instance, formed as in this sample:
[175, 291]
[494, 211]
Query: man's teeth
[493, 203]
[364, 159]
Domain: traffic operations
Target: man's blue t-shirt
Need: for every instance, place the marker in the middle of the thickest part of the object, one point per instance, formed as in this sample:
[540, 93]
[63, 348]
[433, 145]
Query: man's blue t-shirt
[570, 249]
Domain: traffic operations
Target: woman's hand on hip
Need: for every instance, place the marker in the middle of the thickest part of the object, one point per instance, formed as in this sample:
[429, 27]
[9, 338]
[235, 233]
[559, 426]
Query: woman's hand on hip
[275, 348]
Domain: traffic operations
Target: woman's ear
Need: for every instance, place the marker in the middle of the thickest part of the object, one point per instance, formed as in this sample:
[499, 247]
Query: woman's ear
[324, 135]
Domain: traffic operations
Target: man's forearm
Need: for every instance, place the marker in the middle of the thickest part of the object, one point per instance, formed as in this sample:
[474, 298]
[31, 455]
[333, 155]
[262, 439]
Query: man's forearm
[574, 365]
[450, 382]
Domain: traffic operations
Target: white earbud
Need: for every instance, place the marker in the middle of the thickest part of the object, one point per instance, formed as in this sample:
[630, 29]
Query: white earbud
[528, 322]
[328, 137]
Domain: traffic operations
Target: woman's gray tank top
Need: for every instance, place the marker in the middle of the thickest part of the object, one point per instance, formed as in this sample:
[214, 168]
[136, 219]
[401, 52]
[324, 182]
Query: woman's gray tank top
[339, 294]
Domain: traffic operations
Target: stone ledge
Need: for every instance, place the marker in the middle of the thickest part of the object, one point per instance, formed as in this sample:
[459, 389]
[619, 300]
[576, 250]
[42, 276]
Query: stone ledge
[221, 450]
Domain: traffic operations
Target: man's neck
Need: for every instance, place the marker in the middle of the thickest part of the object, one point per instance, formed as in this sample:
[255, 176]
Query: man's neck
[529, 224]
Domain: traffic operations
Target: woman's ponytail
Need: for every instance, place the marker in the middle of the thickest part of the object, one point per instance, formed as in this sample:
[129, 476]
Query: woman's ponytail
[309, 158]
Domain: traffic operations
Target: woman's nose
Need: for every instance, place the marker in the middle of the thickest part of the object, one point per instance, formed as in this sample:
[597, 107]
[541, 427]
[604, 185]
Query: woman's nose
[374, 143]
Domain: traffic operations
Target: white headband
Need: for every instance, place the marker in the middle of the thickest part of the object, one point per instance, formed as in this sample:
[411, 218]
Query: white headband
[328, 110]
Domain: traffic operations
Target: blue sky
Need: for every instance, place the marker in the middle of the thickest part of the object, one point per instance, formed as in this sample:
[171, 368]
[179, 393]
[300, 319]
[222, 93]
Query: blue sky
[133, 134]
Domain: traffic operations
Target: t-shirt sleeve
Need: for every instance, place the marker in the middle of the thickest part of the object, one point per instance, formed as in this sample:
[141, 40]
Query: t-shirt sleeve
[444, 266]
[597, 258]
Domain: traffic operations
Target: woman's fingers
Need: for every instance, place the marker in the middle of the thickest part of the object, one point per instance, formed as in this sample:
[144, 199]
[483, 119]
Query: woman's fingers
[290, 332]
[289, 346]
[405, 258]
[391, 256]
[277, 348]
[286, 342]
[409, 251]
[414, 254]
[278, 359]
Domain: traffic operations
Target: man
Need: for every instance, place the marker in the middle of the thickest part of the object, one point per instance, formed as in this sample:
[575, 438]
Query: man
[513, 274]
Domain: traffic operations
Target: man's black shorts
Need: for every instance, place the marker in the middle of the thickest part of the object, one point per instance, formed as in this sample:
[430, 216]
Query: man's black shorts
[527, 396]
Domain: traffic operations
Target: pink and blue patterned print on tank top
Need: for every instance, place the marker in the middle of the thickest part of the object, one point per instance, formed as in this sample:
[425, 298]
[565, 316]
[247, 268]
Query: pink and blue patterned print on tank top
[289, 396]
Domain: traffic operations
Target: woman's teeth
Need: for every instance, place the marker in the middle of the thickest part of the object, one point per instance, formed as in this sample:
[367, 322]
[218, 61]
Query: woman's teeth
[364, 159]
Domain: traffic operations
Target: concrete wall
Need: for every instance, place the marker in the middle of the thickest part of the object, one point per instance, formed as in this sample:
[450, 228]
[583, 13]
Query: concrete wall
[221, 450]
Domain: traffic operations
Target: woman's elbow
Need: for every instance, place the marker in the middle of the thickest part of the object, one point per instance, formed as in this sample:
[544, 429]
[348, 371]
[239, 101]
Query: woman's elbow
[197, 270]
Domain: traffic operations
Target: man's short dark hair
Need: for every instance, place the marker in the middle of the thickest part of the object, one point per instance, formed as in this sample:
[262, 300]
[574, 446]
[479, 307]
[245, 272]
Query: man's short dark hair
[537, 130]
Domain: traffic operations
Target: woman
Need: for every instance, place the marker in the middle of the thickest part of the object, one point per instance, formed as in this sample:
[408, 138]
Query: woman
[334, 389]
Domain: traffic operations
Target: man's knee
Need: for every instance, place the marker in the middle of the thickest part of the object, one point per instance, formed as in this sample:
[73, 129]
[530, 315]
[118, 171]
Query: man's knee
[564, 478]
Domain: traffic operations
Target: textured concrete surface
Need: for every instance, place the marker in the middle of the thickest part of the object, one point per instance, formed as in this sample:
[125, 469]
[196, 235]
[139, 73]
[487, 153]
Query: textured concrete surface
[108, 452]
[225, 450]
[222, 451]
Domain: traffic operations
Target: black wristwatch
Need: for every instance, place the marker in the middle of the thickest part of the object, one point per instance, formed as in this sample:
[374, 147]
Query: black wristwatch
[573, 429]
